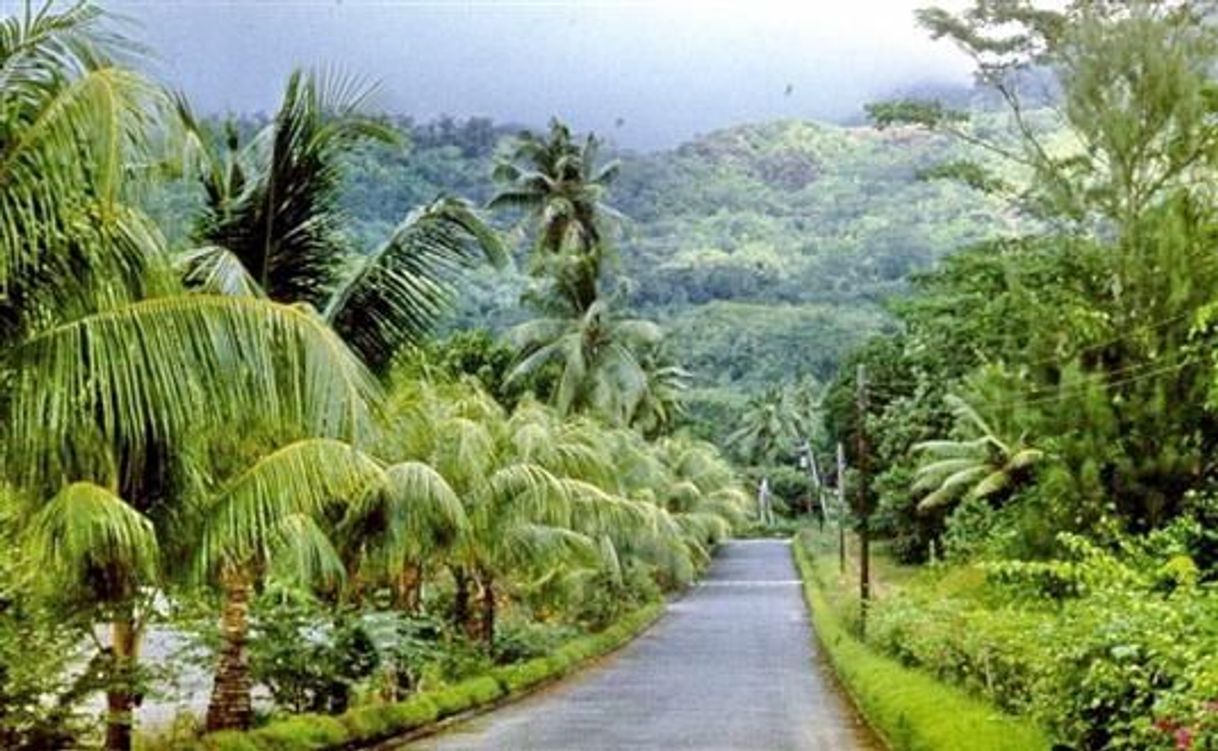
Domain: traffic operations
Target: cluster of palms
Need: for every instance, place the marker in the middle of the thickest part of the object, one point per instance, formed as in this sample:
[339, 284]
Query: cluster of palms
[215, 418]
[777, 422]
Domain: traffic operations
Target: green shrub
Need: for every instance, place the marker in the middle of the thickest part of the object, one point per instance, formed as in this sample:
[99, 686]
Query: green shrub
[524, 675]
[517, 640]
[309, 658]
[414, 712]
[306, 732]
[466, 694]
[369, 722]
[1106, 650]
[224, 741]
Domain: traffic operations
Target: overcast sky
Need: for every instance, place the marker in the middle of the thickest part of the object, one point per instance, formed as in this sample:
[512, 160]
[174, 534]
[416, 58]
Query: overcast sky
[665, 70]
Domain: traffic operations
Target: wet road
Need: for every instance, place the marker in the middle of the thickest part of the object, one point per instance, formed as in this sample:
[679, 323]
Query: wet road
[730, 666]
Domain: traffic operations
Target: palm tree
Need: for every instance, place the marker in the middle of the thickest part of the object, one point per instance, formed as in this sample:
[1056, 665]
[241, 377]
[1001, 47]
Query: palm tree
[660, 404]
[597, 353]
[773, 423]
[272, 223]
[559, 186]
[531, 485]
[980, 466]
[695, 492]
[271, 512]
[107, 366]
[273, 519]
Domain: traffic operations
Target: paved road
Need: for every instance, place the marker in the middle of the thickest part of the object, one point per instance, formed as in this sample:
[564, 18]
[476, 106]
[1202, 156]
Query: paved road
[730, 666]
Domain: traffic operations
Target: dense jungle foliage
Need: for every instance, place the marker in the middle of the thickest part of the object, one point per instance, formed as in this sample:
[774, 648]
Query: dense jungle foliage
[1041, 422]
[327, 408]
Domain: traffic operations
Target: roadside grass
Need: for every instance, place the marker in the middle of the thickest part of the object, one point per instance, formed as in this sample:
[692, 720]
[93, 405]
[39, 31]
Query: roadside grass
[372, 723]
[909, 709]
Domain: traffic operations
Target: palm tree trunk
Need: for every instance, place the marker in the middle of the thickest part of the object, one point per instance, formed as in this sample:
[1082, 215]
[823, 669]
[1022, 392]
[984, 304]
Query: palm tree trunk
[231, 706]
[488, 611]
[461, 610]
[409, 589]
[120, 694]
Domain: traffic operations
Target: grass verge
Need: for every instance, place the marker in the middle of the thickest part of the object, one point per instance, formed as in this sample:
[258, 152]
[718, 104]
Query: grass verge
[370, 724]
[910, 710]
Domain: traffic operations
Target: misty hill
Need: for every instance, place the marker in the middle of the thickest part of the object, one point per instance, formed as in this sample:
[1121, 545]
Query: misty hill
[765, 249]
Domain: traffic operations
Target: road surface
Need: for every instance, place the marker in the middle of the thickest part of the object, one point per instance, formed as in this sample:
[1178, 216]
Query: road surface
[731, 665]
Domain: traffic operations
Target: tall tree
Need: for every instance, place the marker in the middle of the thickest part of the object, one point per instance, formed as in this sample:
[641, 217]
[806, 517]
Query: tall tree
[559, 185]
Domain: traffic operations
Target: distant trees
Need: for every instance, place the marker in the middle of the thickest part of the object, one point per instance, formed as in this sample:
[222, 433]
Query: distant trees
[777, 422]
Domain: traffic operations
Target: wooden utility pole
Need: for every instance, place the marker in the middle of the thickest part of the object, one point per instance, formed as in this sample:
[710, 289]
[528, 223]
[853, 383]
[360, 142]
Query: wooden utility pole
[841, 507]
[864, 510]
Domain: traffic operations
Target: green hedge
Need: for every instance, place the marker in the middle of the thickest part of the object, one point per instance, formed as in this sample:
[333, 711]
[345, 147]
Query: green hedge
[376, 722]
[911, 710]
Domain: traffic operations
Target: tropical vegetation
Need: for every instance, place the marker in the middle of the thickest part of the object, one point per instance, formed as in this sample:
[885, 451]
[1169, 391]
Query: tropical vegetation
[372, 421]
[1038, 426]
[234, 431]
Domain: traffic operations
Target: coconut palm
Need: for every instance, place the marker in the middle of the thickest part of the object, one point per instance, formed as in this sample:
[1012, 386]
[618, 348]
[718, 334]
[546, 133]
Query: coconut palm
[660, 404]
[273, 518]
[598, 354]
[696, 496]
[702, 492]
[268, 513]
[559, 185]
[771, 425]
[272, 222]
[392, 533]
[982, 465]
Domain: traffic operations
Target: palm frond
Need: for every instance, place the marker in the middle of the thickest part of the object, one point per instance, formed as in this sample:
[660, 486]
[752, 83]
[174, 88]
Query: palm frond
[301, 478]
[410, 513]
[397, 293]
[218, 271]
[161, 367]
[300, 552]
[953, 487]
[539, 546]
[90, 541]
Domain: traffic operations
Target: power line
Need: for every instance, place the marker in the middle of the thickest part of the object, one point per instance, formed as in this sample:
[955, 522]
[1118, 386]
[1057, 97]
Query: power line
[1082, 388]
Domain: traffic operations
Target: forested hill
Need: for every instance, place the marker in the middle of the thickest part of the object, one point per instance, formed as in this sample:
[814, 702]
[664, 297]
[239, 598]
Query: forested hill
[764, 249]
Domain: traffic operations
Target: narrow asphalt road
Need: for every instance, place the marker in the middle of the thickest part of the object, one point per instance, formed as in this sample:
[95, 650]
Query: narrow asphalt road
[730, 666]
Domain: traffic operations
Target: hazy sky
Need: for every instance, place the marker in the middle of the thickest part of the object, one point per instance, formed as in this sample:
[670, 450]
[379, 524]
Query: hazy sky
[667, 68]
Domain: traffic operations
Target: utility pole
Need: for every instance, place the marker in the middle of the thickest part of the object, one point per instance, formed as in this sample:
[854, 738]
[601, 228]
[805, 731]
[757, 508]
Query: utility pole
[841, 507]
[863, 508]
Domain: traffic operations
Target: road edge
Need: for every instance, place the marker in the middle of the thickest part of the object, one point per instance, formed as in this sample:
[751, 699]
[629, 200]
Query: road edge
[906, 709]
[380, 727]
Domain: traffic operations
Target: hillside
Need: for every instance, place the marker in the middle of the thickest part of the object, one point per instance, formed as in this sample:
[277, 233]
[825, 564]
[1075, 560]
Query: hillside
[765, 249]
